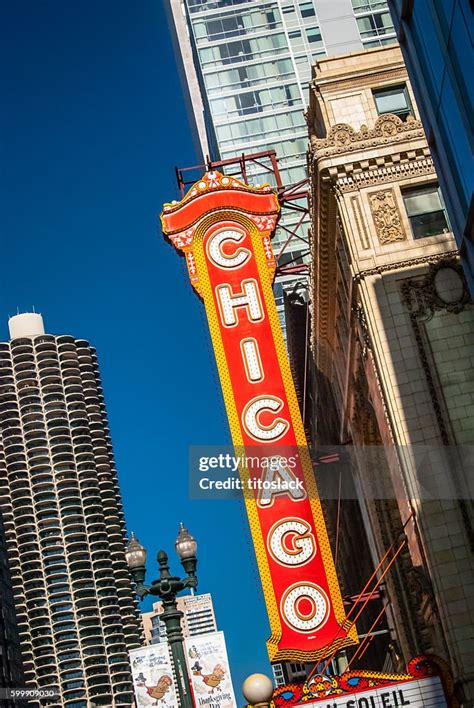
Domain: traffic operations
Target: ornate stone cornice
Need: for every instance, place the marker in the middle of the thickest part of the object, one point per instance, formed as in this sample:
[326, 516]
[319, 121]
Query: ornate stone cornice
[408, 263]
[388, 130]
[367, 78]
[394, 168]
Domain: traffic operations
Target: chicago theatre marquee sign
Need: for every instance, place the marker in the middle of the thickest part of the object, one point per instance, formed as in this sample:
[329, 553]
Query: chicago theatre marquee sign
[223, 229]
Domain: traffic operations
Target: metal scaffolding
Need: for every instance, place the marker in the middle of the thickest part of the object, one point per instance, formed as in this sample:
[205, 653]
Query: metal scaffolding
[292, 197]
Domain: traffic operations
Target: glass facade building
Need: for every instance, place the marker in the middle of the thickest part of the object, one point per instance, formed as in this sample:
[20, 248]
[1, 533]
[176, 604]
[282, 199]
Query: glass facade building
[246, 67]
[436, 39]
[374, 22]
[198, 618]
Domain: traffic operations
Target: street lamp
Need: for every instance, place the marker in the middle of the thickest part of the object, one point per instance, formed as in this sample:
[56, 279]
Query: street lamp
[167, 588]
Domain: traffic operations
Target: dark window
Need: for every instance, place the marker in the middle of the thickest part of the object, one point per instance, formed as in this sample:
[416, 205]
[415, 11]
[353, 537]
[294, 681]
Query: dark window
[278, 293]
[232, 25]
[68, 685]
[291, 258]
[235, 51]
[72, 675]
[227, 27]
[297, 667]
[307, 9]
[294, 34]
[394, 99]
[248, 103]
[426, 211]
[314, 35]
[290, 98]
[271, 21]
[243, 76]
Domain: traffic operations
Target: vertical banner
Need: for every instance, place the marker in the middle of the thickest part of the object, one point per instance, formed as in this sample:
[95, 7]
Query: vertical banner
[152, 675]
[208, 667]
[223, 229]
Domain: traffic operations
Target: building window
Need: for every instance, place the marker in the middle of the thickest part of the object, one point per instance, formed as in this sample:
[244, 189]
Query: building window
[297, 668]
[291, 258]
[235, 51]
[224, 27]
[278, 294]
[375, 25]
[394, 99]
[248, 103]
[307, 9]
[278, 674]
[271, 21]
[369, 5]
[314, 35]
[426, 211]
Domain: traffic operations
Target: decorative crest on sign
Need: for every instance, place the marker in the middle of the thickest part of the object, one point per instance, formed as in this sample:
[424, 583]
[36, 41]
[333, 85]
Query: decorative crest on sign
[323, 687]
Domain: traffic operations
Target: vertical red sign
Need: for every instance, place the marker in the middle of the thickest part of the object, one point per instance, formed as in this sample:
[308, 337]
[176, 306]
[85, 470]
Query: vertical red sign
[223, 228]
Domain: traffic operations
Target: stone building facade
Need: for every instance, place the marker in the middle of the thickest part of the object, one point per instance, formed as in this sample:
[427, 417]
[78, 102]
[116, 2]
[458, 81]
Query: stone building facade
[392, 335]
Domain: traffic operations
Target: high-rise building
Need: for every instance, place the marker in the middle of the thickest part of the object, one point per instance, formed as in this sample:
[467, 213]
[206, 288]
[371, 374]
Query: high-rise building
[245, 68]
[63, 520]
[198, 618]
[392, 336]
[11, 668]
[436, 40]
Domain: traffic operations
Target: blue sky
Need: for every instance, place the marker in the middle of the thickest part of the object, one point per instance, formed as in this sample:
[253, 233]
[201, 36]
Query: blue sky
[91, 128]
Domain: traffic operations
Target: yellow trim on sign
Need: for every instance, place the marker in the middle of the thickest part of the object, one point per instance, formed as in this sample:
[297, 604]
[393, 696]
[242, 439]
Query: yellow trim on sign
[300, 435]
[205, 290]
[234, 420]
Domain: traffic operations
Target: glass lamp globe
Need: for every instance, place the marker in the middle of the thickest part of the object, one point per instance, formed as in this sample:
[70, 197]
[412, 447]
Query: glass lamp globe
[186, 545]
[258, 689]
[135, 553]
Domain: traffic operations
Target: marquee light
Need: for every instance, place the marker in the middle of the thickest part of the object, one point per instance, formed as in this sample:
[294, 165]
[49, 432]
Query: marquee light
[223, 229]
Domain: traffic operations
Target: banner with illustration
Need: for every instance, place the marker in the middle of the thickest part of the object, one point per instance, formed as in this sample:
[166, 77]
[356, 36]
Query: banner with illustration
[209, 671]
[152, 675]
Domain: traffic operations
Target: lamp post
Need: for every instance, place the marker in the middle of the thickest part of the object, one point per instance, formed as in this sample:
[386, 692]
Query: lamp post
[167, 588]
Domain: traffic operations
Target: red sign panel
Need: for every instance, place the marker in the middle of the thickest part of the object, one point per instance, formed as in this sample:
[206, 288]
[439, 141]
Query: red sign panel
[223, 228]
